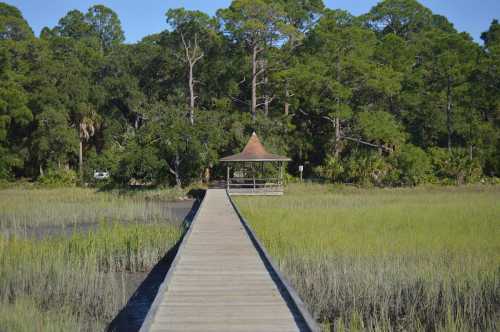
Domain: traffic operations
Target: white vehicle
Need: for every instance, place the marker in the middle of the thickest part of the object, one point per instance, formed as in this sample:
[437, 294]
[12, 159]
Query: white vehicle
[101, 175]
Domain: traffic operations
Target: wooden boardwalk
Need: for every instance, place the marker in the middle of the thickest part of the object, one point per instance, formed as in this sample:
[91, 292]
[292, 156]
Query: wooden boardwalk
[221, 280]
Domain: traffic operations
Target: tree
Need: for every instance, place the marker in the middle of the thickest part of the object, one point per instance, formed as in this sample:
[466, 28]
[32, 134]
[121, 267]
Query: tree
[87, 125]
[299, 18]
[336, 66]
[106, 26]
[74, 25]
[367, 99]
[256, 24]
[54, 141]
[492, 36]
[400, 17]
[381, 129]
[193, 27]
[486, 94]
[14, 115]
[451, 58]
[179, 150]
[13, 26]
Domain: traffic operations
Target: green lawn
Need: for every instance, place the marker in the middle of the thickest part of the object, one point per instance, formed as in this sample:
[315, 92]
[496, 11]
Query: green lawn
[387, 259]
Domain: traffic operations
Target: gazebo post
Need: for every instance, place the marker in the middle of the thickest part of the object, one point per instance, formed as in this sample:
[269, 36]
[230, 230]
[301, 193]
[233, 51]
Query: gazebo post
[262, 173]
[253, 174]
[281, 173]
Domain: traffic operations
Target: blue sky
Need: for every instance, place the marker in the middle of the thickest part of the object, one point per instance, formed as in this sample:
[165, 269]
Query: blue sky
[140, 18]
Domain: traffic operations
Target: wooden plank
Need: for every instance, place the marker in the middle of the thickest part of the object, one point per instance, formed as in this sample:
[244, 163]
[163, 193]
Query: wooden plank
[220, 282]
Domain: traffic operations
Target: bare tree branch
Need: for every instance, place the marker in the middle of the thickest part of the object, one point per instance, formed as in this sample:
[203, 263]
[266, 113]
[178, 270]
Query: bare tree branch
[239, 100]
[259, 72]
[357, 140]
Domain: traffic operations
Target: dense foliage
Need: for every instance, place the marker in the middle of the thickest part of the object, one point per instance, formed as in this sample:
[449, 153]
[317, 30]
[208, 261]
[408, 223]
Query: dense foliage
[393, 97]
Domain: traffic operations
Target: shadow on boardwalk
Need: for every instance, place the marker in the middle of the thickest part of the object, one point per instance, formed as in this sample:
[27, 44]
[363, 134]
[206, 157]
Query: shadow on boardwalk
[131, 317]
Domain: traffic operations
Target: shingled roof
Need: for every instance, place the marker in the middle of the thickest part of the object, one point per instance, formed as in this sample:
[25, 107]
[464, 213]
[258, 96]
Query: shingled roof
[255, 151]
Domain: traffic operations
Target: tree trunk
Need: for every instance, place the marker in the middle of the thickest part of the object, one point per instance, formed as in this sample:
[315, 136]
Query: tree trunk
[267, 100]
[254, 83]
[192, 55]
[206, 175]
[41, 170]
[80, 160]
[177, 163]
[448, 113]
[287, 96]
[338, 147]
[191, 94]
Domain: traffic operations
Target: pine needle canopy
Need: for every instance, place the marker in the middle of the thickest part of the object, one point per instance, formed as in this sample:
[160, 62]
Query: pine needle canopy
[254, 151]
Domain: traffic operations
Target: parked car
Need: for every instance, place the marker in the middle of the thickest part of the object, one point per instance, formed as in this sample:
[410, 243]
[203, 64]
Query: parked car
[99, 175]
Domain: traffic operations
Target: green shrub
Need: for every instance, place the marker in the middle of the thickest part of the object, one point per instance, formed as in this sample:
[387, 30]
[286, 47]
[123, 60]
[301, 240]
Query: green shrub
[413, 165]
[59, 178]
[5, 173]
[8, 161]
[331, 170]
[367, 168]
[289, 178]
[455, 166]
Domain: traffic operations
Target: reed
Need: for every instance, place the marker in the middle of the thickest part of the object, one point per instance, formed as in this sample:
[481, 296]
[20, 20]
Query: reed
[28, 208]
[77, 281]
[423, 259]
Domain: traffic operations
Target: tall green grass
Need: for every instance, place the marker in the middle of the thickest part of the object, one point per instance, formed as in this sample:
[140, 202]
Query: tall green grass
[80, 281]
[76, 283]
[22, 208]
[388, 259]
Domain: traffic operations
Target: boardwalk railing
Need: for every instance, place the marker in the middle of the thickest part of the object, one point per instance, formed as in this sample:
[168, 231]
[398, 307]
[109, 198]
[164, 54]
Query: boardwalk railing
[148, 321]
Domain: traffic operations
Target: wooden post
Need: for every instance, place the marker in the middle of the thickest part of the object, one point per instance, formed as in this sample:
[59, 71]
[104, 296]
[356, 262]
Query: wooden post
[227, 180]
[253, 173]
[281, 173]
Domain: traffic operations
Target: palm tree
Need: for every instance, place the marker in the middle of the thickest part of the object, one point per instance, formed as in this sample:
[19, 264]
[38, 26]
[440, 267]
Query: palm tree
[88, 123]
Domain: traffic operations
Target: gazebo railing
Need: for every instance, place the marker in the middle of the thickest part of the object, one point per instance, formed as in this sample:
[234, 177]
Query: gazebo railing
[257, 185]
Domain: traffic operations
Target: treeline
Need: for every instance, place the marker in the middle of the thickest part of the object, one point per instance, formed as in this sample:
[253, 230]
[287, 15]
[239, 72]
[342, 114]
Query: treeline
[393, 97]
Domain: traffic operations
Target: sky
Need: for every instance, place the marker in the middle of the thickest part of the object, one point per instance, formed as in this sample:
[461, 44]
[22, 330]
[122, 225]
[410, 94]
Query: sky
[141, 18]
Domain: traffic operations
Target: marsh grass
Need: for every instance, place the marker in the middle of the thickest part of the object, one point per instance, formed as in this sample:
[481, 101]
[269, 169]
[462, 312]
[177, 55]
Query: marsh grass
[388, 259]
[77, 281]
[28, 208]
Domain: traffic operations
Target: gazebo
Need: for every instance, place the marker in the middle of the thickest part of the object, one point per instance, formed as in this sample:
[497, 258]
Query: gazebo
[254, 171]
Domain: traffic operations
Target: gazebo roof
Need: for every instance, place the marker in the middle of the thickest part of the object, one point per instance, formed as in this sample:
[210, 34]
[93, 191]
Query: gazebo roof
[255, 151]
